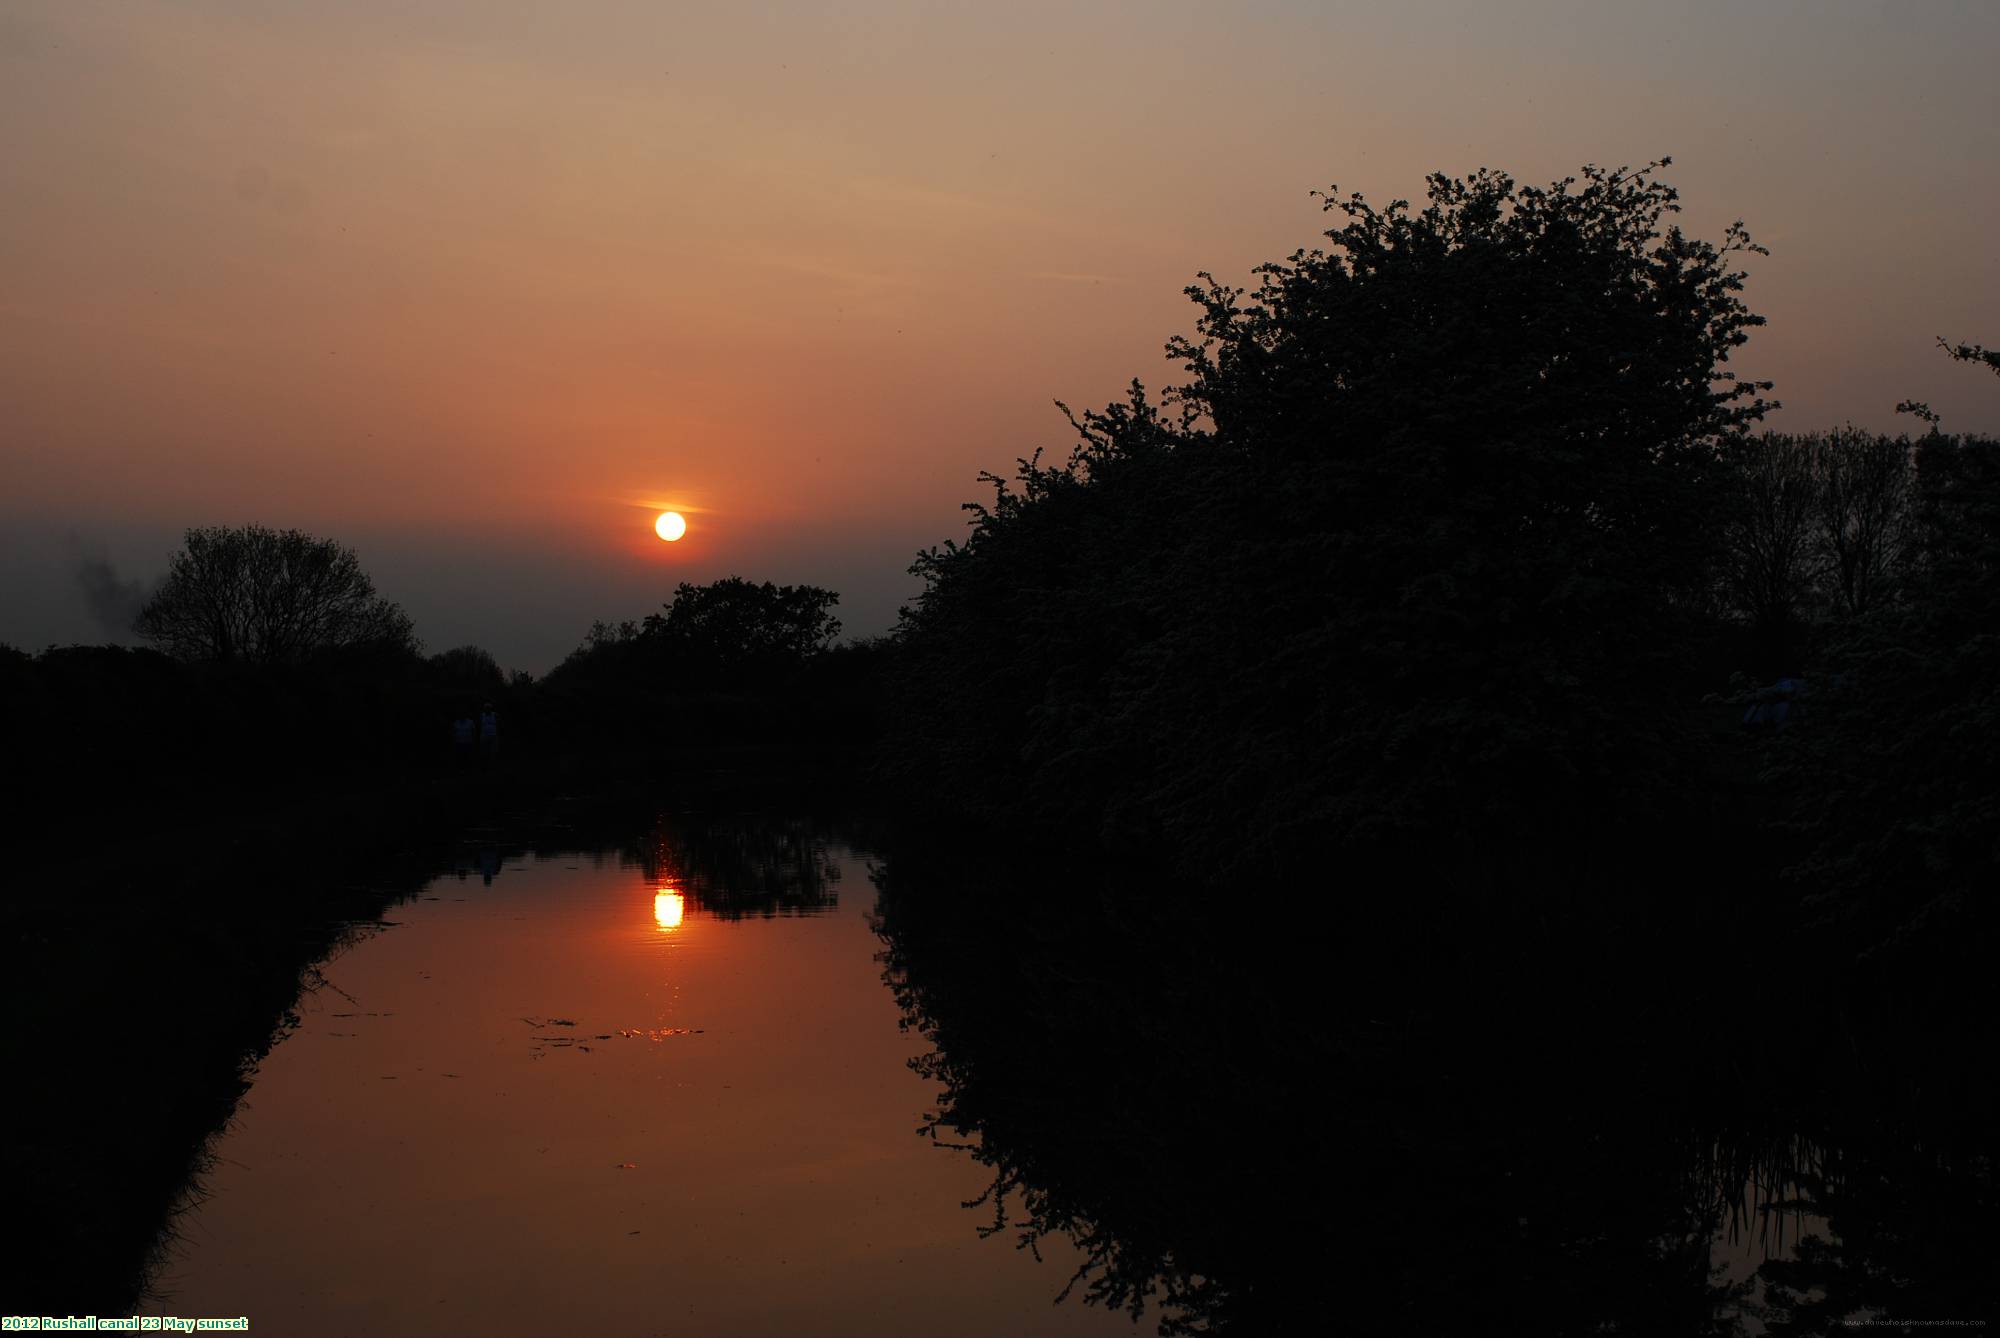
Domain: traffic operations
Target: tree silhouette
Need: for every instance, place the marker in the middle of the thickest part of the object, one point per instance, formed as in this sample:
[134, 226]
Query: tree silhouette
[1865, 521]
[260, 596]
[730, 633]
[1973, 353]
[1770, 552]
[1406, 561]
[469, 669]
[734, 624]
[1824, 522]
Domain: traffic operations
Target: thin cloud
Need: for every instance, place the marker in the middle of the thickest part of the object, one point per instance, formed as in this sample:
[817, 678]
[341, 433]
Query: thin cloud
[1062, 276]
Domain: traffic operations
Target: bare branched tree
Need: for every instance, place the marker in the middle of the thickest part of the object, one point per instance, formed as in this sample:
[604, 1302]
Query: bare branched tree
[264, 596]
[1864, 515]
[1770, 554]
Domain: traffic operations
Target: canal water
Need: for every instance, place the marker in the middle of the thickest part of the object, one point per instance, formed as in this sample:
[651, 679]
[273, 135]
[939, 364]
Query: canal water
[639, 1093]
[695, 1083]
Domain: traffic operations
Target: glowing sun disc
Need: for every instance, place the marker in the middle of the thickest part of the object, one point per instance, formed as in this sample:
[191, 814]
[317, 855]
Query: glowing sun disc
[670, 526]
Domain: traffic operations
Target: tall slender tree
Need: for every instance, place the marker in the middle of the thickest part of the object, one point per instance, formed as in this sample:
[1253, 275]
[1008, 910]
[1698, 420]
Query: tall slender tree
[1864, 515]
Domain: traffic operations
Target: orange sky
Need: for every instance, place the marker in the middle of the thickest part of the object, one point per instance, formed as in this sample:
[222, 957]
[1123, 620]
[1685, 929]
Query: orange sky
[464, 283]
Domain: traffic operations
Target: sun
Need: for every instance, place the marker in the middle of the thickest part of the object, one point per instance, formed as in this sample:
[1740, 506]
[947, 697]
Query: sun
[670, 526]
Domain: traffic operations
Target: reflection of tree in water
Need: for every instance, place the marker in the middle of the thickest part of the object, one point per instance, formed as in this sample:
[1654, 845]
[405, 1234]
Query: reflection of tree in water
[1055, 1071]
[1896, 1229]
[1253, 1122]
[732, 866]
[743, 865]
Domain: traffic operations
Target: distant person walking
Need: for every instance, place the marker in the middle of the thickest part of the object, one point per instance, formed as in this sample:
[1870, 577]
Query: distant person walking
[489, 732]
[463, 733]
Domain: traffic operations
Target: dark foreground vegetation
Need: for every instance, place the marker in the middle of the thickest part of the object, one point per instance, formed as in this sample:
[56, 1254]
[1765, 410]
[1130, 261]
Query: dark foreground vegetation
[1498, 819]
[1436, 799]
[269, 704]
[1298, 1109]
[1455, 563]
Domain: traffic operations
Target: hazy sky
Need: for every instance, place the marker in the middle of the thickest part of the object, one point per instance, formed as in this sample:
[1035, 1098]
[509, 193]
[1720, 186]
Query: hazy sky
[476, 286]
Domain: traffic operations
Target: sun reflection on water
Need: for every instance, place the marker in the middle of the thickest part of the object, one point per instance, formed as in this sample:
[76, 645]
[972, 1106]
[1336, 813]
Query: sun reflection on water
[669, 907]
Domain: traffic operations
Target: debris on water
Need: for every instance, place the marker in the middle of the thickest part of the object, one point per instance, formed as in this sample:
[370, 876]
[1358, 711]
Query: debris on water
[584, 1048]
[658, 1033]
[628, 1165]
[451, 1075]
[603, 1035]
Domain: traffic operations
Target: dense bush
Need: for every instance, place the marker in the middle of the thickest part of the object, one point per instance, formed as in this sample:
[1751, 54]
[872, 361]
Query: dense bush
[1404, 568]
[1430, 566]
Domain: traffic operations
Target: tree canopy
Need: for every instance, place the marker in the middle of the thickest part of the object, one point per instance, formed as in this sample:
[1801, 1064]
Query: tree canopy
[734, 624]
[1392, 567]
[728, 633]
[261, 596]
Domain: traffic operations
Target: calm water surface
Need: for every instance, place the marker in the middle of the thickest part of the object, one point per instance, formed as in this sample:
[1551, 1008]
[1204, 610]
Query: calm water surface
[585, 1096]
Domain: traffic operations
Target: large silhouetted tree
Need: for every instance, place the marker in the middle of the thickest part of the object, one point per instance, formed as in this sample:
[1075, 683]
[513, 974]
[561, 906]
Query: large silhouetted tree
[1402, 559]
[734, 624]
[1574, 311]
[1814, 524]
[729, 635]
[1770, 553]
[261, 596]
[1865, 521]
[1890, 799]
